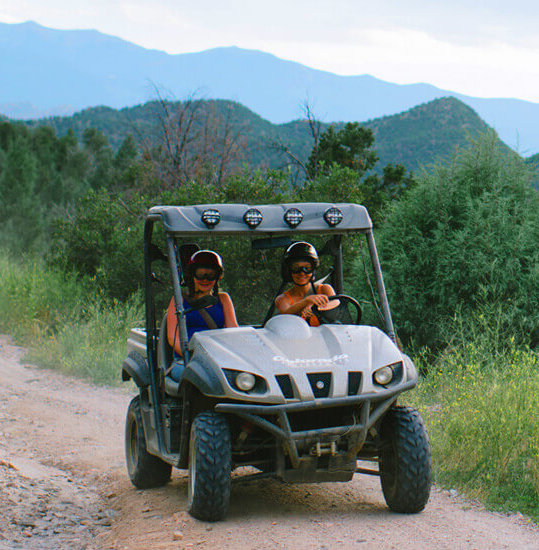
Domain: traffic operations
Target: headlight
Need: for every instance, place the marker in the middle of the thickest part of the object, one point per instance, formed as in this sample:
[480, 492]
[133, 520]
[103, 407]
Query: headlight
[293, 217]
[383, 376]
[245, 381]
[211, 217]
[389, 374]
[253, 217]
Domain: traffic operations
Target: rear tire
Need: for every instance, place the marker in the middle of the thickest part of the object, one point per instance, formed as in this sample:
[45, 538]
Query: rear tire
[209, 467]
[405, 462]
[145, 470]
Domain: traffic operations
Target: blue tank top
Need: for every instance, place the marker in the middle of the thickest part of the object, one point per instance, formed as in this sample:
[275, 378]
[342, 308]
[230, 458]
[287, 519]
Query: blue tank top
[196, 323]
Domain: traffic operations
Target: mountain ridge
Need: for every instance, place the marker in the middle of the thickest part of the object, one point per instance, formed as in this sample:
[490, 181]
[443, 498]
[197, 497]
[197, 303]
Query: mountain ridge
[422, 135]
[47, 67]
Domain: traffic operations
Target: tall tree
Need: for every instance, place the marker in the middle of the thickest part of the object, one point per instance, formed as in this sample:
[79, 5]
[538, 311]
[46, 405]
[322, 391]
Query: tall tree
[350, 147]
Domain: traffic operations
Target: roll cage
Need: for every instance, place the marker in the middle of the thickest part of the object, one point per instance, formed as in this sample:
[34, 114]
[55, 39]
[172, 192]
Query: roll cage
[269, 226]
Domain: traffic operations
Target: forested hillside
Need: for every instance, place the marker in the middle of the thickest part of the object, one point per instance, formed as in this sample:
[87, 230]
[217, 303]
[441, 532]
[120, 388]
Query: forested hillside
[420, 136]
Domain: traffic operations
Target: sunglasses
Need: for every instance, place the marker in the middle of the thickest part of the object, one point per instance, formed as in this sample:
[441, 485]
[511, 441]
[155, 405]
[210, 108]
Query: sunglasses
[206, 276]
[301, 269]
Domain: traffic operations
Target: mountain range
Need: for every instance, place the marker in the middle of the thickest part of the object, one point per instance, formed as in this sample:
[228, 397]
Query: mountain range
[55, 72]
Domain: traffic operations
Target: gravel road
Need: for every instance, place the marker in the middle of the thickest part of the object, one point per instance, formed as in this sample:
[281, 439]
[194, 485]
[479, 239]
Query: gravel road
[63, 485]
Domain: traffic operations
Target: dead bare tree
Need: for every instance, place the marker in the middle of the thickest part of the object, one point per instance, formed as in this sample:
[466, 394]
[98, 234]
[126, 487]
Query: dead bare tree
[294, 160]
[195, 142]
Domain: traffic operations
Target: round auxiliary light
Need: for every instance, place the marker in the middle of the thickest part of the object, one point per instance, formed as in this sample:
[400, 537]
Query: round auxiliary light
[293, 217]
[245, 381]
[211, 217]
[253, 217]
[383, 376]
[333, 216]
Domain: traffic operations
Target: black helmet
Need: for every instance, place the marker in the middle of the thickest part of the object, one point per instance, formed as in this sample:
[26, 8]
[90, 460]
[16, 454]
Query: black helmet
[297, 252]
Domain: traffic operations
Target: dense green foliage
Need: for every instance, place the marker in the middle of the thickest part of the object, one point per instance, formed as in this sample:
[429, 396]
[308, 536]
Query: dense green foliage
[416, 137]
[465, 236]
[350, 147]
[42, 175]
[66, 323]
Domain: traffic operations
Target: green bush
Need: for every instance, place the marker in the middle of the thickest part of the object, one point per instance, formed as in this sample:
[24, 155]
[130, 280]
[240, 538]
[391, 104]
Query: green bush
[102, 240]
[465, 236]
[34, 300]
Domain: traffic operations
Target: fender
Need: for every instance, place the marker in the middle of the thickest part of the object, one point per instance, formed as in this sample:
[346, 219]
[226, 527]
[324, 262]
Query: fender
[136, 367]
[203, 379]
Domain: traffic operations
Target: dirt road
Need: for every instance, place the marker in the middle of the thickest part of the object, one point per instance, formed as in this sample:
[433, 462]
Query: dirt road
[63, 485]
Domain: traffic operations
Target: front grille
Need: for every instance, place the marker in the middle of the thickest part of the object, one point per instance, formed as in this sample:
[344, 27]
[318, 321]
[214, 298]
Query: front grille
[354, 382]
[331, 417]
[320, 383]
[286, 385]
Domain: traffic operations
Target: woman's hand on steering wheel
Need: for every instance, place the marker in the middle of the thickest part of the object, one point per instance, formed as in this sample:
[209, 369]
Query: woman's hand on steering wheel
[343, 298]
[317, 300]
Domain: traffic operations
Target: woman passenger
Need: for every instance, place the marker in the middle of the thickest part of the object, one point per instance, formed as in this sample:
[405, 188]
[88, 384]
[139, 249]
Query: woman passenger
[202, 274]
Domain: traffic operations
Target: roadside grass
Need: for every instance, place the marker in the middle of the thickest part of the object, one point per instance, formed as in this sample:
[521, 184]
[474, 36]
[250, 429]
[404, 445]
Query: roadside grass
[481, 408]
[63, 321]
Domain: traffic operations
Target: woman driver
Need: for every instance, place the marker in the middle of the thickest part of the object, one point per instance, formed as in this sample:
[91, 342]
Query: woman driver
[299, 263]
[202, 274]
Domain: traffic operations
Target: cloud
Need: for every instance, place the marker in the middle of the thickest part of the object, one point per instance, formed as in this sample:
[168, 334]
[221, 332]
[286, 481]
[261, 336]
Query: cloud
[485, 47]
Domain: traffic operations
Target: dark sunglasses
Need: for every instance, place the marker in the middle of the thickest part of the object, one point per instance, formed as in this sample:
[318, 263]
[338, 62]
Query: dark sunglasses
[206, 277]
[301, 269]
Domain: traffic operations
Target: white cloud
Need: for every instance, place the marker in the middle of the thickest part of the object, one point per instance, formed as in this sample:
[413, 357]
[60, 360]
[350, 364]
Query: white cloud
[480, 48]
[398, 55]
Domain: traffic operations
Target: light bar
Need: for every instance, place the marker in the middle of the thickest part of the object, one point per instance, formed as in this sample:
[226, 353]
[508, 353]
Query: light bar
[211, 218]
[293, 217]
[333, 216]
[253, 217]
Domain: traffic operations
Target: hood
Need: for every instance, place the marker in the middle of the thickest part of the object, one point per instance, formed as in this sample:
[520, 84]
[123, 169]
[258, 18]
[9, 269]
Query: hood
[287, 345]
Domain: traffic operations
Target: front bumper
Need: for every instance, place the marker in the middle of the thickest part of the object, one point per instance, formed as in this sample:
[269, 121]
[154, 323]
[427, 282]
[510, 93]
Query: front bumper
[373, 406]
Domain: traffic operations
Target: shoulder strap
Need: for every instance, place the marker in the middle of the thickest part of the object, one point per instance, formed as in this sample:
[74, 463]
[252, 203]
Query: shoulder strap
[208, 319]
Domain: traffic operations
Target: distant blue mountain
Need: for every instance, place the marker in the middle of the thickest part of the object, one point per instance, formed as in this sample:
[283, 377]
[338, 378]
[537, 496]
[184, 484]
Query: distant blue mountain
[46, 71]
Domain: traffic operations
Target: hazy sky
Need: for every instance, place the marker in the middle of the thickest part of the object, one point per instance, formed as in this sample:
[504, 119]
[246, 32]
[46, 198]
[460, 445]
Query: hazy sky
[486, 48]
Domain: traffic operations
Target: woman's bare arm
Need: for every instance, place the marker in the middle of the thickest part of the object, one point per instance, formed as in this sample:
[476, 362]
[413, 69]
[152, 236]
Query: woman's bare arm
[228, 310]
[173, 335]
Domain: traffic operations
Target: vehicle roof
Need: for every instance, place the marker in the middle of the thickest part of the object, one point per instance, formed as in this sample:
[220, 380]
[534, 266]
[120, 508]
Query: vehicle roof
[187, 220]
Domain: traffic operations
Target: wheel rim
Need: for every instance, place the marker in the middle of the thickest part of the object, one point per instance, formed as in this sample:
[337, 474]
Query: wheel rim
[192, 467]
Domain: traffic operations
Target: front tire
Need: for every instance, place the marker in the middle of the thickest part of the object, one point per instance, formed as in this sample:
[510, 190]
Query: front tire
[405, 462]
[145, 470]
[209, 467]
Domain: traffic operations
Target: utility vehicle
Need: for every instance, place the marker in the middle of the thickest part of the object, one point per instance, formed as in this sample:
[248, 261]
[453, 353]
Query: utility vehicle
[299, 403]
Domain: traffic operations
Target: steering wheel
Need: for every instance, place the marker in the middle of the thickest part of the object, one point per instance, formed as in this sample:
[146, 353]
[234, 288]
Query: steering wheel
[324, 316]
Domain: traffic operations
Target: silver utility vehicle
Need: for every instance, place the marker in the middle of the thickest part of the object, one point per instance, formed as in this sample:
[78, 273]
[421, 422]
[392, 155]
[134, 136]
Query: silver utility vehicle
[291, 401]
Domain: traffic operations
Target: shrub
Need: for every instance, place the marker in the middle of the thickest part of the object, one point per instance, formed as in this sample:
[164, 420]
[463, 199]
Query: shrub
[466, 235]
